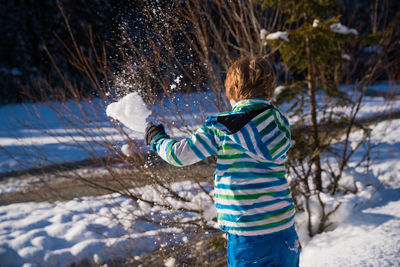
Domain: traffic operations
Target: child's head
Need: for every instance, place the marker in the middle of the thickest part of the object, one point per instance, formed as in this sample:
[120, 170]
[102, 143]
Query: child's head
[250, 77]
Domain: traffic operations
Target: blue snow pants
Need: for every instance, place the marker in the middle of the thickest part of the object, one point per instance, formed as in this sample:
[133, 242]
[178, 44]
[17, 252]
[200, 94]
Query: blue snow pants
[279, 249]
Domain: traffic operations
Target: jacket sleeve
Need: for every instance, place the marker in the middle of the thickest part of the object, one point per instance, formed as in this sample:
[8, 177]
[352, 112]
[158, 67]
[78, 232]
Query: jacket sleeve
[198, 146]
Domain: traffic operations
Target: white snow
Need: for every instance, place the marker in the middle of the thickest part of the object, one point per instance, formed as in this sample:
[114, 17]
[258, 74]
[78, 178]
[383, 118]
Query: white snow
[131, 111]
[263, 33]
[125, 149]
[37, 134]
[64, 232]
[170, 262]
[278, 35]
[60, 233]
[346, 56]
[278, 90]
[342, 29]
[368, 238]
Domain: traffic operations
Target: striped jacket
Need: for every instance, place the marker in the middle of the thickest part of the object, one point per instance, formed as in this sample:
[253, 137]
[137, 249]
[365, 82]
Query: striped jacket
[251, 193]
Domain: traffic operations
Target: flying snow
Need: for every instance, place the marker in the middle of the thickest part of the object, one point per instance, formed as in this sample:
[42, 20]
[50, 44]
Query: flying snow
[131, 111]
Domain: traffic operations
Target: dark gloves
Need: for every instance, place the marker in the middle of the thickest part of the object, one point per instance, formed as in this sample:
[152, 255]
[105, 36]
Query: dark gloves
[153, 131]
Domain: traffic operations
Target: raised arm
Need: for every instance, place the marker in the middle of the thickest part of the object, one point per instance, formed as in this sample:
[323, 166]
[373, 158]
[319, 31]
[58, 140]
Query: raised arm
[198, 146]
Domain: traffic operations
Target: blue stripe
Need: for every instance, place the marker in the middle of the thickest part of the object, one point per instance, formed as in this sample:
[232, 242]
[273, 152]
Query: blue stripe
[210, 135]
[195, 149]
[269, 140]
[283, 151]
[256, 228]
[262, 147]
[237, 139]
[170, 149]
[253, 175]
[248, 140]
[251, 186]
[269, 128]
[251, 164]
[205, 145]
[240, 218]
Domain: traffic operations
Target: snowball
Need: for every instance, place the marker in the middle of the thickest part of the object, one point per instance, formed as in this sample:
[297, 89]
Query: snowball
[125, 149]
[278, 35]
[131, 111]
[341, 29]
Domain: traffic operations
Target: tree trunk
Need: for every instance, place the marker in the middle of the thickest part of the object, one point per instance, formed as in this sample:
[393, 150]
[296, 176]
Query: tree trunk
[314, 123]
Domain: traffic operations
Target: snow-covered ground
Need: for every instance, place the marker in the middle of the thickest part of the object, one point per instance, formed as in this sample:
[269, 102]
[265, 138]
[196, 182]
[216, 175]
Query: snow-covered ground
[35, 234]
[63, 232]
[369, 223]
[93, 228]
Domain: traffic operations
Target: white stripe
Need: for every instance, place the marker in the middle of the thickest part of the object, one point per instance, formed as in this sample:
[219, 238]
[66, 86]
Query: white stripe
[279, 116]
[248, 201]
[282, 148]
[263, 232]
[164, 151]
[253, 140]
[228, 180]
[256, 223]
[251, 191]
[268, 208]
[265, 137]
[230, 161]
[199, 146]
[207, 140]
[276, 141]
[184, 153]
[252, 170]
[242, 140]
[265, 123]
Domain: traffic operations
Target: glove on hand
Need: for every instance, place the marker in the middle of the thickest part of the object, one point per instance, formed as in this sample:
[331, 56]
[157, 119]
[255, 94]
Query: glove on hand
[152, 131]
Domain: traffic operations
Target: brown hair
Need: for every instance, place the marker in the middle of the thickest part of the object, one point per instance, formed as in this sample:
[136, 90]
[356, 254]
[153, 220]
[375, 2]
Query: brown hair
[250, 77]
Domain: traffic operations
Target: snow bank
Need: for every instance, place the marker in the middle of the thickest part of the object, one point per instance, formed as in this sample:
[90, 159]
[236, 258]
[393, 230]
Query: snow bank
[92, 228]
[131, 111]
[57, 234]
[371, 238]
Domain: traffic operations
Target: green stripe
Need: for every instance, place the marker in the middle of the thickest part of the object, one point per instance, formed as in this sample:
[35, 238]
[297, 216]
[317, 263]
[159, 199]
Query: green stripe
[277, 146]
[227, 147]
[281, 127]
[268, 128]
[249, 196]
[230, 156]
[171, 152]
[264, 117]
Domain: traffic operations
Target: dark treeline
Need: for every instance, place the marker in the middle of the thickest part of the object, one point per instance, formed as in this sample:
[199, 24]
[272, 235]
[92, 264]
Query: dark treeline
[27, 25]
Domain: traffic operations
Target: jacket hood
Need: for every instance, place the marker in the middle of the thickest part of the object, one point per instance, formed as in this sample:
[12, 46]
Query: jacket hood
[258, 129]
